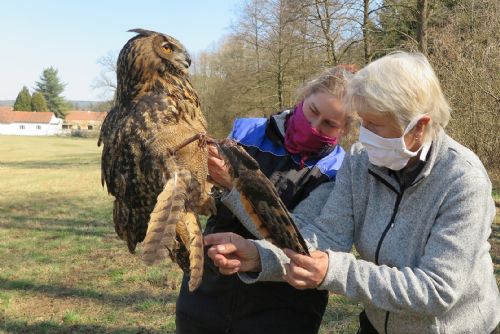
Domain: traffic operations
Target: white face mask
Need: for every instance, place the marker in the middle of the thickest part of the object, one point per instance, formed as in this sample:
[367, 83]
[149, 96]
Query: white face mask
[389, 152]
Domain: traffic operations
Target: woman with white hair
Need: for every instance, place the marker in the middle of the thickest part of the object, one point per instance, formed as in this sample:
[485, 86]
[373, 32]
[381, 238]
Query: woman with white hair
[414, 203]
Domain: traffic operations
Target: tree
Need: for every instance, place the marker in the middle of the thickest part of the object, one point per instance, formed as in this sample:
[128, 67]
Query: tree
[422, 8]
[38, 102]
[106, 82]
[466, 56]
[23, 100]
[51, 87]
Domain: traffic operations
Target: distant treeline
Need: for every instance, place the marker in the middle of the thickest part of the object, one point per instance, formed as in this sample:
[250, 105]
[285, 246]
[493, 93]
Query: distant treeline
[277, 45]
[75, 105]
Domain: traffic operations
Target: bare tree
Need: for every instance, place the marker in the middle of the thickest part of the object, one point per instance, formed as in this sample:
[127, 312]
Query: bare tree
[422, 25]
[466, 55]
[277, 44]
[106, 81]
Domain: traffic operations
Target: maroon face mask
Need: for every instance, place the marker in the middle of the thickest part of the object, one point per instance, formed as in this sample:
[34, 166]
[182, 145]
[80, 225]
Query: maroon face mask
[301, 138]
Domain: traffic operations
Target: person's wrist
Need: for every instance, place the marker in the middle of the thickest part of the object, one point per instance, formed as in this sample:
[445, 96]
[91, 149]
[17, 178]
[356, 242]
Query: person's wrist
[254, 264]
[257, 266]
[228, 185]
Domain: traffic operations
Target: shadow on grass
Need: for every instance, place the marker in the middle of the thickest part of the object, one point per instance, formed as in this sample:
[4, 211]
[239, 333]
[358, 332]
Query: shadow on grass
[46, 211]
[52, 327]
[58, 291]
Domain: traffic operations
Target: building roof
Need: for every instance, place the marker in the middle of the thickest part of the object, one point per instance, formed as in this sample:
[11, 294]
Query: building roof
[7, 116]
[77, 115]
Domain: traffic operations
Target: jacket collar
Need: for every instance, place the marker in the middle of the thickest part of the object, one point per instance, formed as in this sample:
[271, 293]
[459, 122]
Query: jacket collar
[276, 126]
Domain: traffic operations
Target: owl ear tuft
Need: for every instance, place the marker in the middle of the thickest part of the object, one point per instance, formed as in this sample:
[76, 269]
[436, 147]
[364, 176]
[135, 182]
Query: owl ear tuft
[143, 32]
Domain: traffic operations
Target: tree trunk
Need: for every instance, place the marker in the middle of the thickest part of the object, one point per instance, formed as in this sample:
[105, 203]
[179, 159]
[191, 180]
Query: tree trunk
[366, 20]
[422, 25]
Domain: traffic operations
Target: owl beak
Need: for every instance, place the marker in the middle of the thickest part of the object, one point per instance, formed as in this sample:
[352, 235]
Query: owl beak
[188, 60]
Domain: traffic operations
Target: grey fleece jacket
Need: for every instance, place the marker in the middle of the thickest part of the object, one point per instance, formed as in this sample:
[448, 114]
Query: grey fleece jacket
[424, 264]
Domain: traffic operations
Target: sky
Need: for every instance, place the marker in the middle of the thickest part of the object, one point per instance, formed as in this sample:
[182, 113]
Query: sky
[72, 35]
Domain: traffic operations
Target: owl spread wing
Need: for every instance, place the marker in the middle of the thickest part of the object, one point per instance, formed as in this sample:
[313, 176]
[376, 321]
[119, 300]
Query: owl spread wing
[261, 200]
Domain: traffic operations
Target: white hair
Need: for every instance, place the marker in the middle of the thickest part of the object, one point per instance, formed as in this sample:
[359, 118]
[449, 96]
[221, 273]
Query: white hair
[402, 84]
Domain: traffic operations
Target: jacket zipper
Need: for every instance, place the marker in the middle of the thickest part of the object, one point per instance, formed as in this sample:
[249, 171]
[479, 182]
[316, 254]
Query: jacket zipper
[386, 321]
[389, 225]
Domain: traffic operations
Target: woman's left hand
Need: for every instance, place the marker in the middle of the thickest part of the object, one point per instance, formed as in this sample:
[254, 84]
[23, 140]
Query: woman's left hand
[306, 272]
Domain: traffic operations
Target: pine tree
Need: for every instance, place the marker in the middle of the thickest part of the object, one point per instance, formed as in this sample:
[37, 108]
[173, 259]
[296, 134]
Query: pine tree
[23, 100]
[51, 87]
[38, 102]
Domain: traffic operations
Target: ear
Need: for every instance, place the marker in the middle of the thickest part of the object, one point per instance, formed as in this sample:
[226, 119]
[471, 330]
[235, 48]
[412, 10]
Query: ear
[422, 124]
[417, 134]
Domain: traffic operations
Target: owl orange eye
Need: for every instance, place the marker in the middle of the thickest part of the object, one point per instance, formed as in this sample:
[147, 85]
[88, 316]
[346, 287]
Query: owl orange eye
[167, 48]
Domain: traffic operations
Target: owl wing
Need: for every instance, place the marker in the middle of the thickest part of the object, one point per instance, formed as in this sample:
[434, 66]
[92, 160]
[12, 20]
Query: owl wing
[264, 205]
[268, 212]
[132, 174]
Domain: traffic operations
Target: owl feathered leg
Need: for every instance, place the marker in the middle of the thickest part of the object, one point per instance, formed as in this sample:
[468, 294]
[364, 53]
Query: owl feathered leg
[174, 229]
[189, 231]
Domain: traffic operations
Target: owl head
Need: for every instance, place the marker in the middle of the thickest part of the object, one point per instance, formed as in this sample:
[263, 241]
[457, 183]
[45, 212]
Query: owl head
[150, 53]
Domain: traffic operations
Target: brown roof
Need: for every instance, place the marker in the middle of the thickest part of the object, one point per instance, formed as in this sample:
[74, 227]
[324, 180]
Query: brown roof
[8, 116]
[76, 115]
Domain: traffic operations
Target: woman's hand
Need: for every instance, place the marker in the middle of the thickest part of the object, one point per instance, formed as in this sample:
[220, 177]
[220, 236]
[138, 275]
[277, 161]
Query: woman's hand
[306, 272]
[217, 168]
[232, 253]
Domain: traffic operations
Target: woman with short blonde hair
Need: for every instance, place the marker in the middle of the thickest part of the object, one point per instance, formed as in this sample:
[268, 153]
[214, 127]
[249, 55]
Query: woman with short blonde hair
[404, 85]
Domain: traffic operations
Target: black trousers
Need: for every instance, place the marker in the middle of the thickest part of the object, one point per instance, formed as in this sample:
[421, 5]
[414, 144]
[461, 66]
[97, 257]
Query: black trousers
[365, 326]
[224, 304]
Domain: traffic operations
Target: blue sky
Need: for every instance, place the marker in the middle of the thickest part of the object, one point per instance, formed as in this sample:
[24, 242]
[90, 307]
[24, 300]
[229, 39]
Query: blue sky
[72, 35]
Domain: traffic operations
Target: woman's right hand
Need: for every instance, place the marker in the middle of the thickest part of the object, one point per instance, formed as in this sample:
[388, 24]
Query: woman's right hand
[232, 253]
[217, 169]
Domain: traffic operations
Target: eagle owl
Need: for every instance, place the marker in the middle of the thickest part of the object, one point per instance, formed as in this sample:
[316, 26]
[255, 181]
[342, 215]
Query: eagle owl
[157, 176]
[157, 172]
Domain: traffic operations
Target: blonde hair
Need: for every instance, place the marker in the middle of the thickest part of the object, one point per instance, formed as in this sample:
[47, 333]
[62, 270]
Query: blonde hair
[402, 84]
[331, 81]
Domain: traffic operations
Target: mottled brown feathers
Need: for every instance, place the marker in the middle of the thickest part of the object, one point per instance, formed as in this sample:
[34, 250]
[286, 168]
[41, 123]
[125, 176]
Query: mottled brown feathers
[159, 183]
[156, 109]
[260, 199]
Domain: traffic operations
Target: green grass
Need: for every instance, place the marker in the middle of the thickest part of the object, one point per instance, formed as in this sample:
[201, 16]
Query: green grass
[63, 270]
[496, 194]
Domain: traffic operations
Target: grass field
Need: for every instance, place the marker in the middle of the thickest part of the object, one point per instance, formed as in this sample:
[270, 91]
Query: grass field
[62, 268]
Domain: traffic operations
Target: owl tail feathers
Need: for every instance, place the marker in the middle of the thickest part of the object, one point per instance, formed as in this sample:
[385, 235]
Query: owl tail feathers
[170, 204]
[189, 231]
[160, 235]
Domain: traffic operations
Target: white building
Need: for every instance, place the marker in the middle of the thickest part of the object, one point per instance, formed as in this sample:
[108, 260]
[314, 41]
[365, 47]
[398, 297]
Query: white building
[28, 123]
